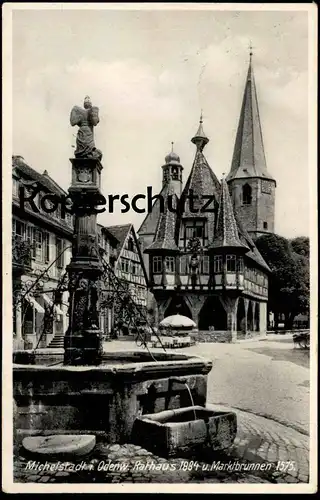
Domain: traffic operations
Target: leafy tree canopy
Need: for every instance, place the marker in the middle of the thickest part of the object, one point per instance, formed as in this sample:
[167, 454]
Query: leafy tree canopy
[301, 246]
[289, 283]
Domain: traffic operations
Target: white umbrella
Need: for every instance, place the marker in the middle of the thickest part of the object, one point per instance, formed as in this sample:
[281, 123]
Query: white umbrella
[177, 321]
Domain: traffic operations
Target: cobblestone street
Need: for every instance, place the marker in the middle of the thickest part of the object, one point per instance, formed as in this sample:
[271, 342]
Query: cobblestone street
[282, 450]
[259, 441]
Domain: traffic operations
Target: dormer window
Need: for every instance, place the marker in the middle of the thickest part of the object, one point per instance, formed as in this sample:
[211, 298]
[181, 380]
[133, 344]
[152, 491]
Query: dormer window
[195, 229]
[246, 195]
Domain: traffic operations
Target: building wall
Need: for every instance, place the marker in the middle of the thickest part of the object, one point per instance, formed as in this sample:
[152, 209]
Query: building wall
[27, 332]
[266, 207]
[262, 207]
[46, 236]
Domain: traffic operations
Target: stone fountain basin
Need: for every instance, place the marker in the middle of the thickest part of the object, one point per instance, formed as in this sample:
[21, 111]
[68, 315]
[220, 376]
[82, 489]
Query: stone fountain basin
[50, 398]
[185, 430]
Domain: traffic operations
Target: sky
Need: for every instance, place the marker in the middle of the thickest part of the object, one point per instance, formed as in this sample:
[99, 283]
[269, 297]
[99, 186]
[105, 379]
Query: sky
[150, 73]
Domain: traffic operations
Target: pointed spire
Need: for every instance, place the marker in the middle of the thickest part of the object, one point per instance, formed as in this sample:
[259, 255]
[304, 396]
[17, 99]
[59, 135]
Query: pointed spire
[226, 233]
[200, 139]
[249, 156]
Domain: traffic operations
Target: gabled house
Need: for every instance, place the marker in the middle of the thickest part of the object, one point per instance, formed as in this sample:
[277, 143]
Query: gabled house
[127, 262]
[40, 241]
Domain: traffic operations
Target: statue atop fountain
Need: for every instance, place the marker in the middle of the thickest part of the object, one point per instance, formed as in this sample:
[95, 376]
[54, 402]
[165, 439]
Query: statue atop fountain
[83, 339]
[86, 118]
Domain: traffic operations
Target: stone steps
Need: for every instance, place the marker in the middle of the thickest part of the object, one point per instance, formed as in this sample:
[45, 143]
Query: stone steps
[57, 342]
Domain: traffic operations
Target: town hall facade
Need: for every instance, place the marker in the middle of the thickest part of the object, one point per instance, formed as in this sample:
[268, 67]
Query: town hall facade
[204, 263]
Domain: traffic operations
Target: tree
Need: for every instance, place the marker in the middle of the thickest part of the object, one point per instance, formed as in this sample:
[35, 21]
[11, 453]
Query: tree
[289, 282]
[301, 246]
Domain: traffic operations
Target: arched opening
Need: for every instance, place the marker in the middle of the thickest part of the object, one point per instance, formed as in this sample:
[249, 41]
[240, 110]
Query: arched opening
[213, 315]
[241, 316]
[250, 325]
[175, 175]
[178, 306]
[246, 195]
[257, 317]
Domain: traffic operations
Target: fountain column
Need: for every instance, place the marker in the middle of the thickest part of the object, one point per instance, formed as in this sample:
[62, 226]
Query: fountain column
[83, 339]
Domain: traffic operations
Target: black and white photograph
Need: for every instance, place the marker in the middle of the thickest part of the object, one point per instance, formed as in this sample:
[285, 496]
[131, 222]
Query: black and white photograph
[159, 248]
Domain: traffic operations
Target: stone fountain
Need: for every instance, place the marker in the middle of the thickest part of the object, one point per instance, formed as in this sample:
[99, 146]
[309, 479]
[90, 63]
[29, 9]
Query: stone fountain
[87, 391]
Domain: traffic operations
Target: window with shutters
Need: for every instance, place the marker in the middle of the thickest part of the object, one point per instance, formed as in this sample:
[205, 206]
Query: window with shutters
[47, 246]
[38, 241]
[31, 240]
[59, 252]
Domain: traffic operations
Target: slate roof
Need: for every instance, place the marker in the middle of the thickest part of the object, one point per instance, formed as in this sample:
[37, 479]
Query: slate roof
[44, 179]
[253, 253]
[226, 230]
[21, 170]
[120, 233]
[151, 220]
[202, 181]
[115, 242]
[164, 238]
[249, 157]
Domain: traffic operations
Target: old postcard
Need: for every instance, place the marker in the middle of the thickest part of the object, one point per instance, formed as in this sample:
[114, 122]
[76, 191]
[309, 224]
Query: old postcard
[160, 242]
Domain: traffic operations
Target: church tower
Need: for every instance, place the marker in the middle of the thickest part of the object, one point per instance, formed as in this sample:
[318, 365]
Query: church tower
[172, 172]
[251, 187]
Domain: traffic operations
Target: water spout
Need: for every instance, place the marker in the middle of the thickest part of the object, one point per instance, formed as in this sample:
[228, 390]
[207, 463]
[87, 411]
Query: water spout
[184, 382]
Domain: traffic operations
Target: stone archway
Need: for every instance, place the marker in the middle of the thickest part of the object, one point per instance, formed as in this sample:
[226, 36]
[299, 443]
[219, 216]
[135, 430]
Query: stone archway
[241, 316]
[250, 323]
[177, 306]
[213, 315]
